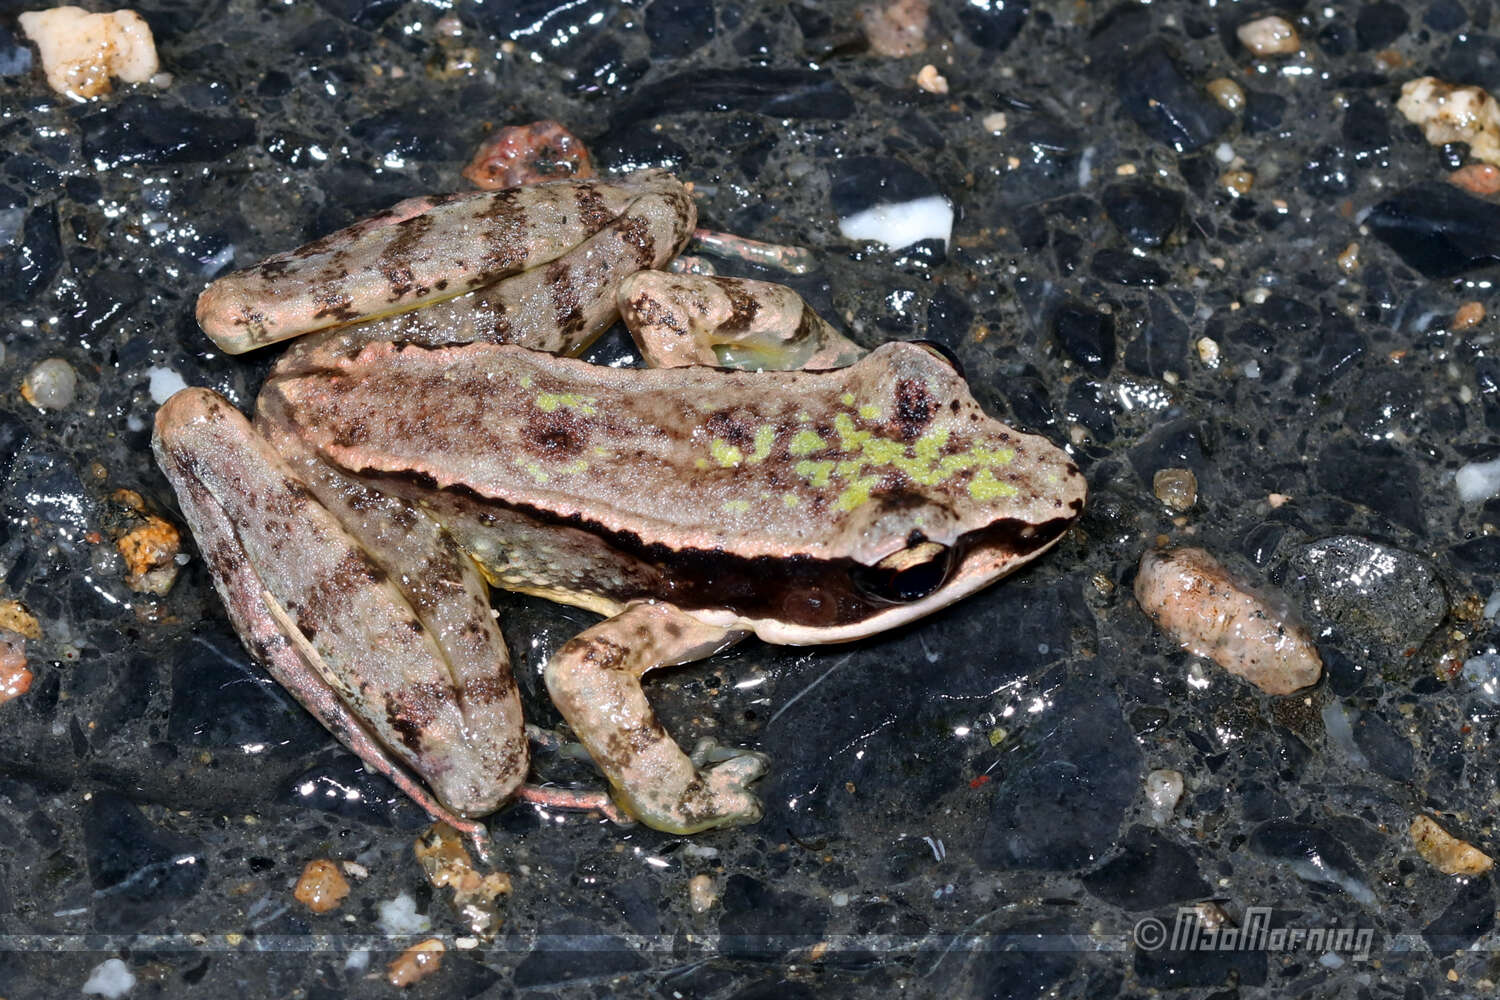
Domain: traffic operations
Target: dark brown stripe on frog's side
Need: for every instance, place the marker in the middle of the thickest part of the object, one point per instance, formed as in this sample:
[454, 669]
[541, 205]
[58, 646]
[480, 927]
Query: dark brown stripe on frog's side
[797, 589]
[506, 251]
[566, 300]
[394, 262]
[592, 211]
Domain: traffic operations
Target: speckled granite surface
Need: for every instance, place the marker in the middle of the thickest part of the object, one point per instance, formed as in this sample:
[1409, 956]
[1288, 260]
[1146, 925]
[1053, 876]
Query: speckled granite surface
[958, 809]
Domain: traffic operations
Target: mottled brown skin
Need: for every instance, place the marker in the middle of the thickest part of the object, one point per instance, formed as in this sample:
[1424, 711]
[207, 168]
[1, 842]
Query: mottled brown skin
[691, 505]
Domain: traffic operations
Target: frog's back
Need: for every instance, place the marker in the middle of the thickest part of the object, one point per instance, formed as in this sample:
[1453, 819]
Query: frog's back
[834, 465]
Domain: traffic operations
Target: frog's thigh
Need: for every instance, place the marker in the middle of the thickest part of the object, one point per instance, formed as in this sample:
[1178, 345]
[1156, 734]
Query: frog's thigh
[352, 655]
[595, 681]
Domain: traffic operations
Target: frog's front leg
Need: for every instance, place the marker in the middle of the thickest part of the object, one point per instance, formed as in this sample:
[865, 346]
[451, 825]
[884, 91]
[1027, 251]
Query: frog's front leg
[595, 681]
[692, 319]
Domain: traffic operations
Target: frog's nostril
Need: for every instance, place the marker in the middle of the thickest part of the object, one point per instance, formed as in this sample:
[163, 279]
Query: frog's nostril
[944, 352]
[906, 576]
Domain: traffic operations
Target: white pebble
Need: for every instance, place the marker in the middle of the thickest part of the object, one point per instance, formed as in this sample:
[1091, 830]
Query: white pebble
[1163, 791]
[901, 224]
[1483, 671]
[399, 916]
[1269, 36]
[81, 51]
[110, 978]
[51, 385]
[164, 384]
[1338, 725]
[1478, 481]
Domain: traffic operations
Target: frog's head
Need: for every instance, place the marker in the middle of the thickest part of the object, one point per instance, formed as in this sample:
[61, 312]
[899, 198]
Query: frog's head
[902, 496]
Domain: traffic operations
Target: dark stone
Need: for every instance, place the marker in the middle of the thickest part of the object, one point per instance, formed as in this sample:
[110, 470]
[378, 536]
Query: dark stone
[1027, 966]
[1160, 344]
[410, 132]
[679, 27]
[993, 24]
[154, 130]
[1144, 212]
[862, 182]
[15, 55]
[1117, 38]
[220, 699]
[13, 438]
[1173, 970]
[1336, 39]
[340, 784]
[1383, 601]
[639, 147]
[543, 24]
[1478, 555]
[1263, 111]
[1119, 267]
[1389, 753]
[1376, 475]
[1180, 444]
[1469, 917]
[1327, 172]
[1438, 229]
[1149, 871]
[777, 93]
[1379, 24]
[1473, 58]
[1060, 805]
[1313, 854]
[361, 13]
[576, 949]
[139, 871]
[30, 251]
[1366, 128]
[949, 318]
[1093, 404]
[1445, 15]
[1086, 335]
[1168, 106]
[760, 923]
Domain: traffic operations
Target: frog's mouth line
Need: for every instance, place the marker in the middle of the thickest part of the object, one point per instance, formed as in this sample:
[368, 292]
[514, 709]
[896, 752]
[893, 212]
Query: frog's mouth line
[796, 589]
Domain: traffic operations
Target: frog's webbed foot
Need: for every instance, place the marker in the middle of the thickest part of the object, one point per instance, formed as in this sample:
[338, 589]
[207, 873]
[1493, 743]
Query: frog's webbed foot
[685, 319]
[595, 681]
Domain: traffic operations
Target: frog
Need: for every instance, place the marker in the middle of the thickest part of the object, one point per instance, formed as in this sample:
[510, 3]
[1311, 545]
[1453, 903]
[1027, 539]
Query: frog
[432, 434]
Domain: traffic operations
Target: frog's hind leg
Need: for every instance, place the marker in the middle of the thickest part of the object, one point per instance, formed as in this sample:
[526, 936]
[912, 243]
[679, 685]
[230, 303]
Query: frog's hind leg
[329, 622]
[595, 681]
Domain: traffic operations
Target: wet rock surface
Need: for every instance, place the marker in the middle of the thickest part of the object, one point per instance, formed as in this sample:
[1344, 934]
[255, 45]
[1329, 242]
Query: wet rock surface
[1263, 298]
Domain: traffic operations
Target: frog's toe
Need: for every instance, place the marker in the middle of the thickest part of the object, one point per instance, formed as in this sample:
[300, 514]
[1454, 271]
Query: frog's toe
[709, 751]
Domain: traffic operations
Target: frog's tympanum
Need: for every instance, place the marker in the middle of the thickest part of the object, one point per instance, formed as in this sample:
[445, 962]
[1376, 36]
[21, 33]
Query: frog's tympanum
[435, 439]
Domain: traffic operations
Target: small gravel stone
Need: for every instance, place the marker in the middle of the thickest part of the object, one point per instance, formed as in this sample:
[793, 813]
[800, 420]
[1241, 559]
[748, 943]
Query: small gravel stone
[1438, 230]
[930, 80]
[51, 385]
[1449, 112]
[1382, 601]
[1177, 489]
[1086, 335]
[81, 51]
[1467, 316]
[1165, 103]
[993, 24]
[1229, 94]
[1163, 791]
[1446, 852]
[1269, 36]
[110, 979]
[702, 893]
[1195, 601]
[1477, 178]
[322, 886]
[896, 28]
[416, 963]
[1144, 212]
[1312, 854]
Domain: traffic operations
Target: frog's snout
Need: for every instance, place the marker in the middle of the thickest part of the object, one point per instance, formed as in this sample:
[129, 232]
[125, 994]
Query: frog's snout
[907, 575]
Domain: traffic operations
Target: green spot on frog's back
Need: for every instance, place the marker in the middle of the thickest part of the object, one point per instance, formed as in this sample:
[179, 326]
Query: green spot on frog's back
[869, 412]
[984, 486]
[816, 473]
[765, 436]
[805, 442]
[551, 402]
[736, 506]
[726, 454]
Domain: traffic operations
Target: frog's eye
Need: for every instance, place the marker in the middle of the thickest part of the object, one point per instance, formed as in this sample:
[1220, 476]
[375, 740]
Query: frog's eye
[906, 576]
[943, 352]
